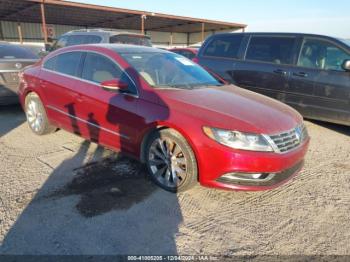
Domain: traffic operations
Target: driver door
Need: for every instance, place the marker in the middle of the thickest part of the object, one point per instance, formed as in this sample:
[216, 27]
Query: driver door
[319, 69]
[107, 117]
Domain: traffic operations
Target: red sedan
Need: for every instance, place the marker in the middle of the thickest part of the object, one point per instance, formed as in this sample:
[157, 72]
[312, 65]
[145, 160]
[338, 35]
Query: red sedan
[167, 111]
[190, 53]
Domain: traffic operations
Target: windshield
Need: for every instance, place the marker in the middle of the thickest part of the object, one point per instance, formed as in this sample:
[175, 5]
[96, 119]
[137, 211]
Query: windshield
[169, 70]
[15, 52]
[131, 39]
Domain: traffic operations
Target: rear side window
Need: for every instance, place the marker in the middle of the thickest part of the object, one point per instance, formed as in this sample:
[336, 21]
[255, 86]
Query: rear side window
[67, 63]
[278, 50]
[224, 46]
[15, 52]
[130, 39]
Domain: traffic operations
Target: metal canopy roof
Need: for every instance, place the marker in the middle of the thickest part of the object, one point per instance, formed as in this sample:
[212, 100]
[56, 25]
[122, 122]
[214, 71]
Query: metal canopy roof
[77, 14]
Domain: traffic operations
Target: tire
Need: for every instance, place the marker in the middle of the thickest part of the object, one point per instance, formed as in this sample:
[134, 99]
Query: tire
[36, 115]
[170, 161]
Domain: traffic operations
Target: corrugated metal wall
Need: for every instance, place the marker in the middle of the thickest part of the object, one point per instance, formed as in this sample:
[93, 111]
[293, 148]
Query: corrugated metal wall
[32, 32]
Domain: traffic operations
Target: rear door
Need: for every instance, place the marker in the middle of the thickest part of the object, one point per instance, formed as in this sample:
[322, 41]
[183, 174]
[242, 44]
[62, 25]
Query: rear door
[266, 68]
[220, 54]
[58, 82]
[319, 87]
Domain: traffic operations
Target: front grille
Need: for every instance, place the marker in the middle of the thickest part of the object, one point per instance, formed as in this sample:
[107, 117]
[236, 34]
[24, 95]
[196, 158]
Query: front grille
[289, 140]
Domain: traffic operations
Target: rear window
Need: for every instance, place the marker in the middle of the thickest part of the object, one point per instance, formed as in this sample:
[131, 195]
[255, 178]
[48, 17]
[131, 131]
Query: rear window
[67, 63]
[278, 50]
[83, 39]
[16, 52]
[130, 39]
[224, 46]
[69, 40]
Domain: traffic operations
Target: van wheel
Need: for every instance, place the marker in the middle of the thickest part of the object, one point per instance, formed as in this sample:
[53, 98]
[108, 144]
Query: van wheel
[170, 161]
[36, 115]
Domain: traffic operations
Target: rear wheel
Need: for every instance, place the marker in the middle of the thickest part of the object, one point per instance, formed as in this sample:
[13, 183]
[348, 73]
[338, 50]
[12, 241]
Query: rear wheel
[170, 161]
[36, 115]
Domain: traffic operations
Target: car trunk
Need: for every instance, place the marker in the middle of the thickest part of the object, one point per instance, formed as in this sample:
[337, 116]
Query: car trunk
[9, 69]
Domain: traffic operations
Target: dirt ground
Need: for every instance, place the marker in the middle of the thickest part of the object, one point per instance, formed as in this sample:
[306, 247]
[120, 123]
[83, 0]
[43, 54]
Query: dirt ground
[60, 194]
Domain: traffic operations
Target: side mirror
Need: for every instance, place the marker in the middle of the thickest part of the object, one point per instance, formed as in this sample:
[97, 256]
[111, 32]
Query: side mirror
[114, 85]
[346, 65]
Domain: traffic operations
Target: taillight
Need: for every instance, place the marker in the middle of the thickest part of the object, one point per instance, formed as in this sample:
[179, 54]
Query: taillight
[21, 77]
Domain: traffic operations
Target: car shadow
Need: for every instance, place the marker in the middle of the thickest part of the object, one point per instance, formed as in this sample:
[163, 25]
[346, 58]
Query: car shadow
[105, 206]
[342, 129]
[11, 116]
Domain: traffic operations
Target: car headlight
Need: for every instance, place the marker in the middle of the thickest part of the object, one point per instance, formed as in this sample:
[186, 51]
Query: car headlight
[238, 140]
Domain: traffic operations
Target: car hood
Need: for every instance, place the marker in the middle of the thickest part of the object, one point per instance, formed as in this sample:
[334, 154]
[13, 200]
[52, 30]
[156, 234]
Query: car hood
[234, 108]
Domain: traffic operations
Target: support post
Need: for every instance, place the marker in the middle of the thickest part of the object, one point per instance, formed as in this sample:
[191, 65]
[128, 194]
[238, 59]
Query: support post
[43, 20]
[243, 29]
[1, 32]
[143, 18]
[171, 38]
[19, 29]
[203, 28]
[188, 39]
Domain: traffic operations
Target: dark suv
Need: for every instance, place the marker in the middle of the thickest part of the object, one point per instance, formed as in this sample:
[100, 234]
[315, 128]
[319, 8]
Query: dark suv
[309, 72]
[94, 36]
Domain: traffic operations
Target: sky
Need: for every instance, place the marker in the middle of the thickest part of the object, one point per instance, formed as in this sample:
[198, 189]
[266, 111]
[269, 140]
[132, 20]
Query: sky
[328, 17]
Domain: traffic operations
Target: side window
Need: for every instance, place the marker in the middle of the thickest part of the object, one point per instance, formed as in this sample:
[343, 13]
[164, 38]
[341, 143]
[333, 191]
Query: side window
[224, 46]
[51, 63]
[278, 50]
[321, 55]
[98, 68]
[66, 63]
[83, 39]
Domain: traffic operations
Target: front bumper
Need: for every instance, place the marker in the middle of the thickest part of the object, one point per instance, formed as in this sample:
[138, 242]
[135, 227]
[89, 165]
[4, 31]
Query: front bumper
[215, 162]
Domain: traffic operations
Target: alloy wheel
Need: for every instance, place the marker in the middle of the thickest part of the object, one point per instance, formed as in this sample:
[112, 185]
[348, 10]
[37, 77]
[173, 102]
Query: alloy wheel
[167, 162]
[34, 115]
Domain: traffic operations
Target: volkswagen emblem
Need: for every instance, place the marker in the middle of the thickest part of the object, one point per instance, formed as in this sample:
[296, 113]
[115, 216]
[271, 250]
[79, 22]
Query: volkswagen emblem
[18, 65]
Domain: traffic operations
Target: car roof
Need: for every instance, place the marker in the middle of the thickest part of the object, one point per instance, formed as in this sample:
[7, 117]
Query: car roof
[100, 32]
[119, 48]
[276, 33]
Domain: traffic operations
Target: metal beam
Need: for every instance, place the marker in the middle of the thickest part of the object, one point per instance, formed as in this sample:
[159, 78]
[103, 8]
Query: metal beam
[170, 26]
[109, 21]
[17, 12]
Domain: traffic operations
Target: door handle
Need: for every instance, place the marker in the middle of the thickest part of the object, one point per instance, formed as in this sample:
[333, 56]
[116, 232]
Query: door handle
[300, 74]
[280, 72]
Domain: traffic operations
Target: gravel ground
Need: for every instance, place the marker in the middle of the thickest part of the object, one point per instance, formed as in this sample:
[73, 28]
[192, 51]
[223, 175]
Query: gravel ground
[62, 195]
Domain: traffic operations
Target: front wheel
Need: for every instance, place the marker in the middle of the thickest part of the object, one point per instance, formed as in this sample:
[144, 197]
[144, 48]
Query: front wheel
[170, 161]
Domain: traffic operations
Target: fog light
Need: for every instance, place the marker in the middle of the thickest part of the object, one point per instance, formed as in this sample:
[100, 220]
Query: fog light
[257, 177]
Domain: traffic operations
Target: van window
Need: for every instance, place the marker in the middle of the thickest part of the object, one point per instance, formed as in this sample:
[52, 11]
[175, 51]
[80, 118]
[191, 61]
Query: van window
[224, 46]
[131, 39]
[278, 50]
[66, 63]
[83, 39]
[322, 55]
